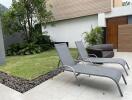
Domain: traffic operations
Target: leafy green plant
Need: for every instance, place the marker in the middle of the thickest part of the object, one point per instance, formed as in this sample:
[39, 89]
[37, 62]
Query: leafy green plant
[95, 36]
[30, 48]
[13, 49]
[23, 49]
[27, 17]
[42, 43]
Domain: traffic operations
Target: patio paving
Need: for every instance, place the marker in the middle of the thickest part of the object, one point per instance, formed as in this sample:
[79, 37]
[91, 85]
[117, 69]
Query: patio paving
[64, 87]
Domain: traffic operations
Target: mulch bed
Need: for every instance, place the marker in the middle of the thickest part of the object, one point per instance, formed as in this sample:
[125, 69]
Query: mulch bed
[23, 85]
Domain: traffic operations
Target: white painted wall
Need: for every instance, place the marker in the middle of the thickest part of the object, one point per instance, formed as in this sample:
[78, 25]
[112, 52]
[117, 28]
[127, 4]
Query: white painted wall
[119, 11]
[101, 20]
[71, 30]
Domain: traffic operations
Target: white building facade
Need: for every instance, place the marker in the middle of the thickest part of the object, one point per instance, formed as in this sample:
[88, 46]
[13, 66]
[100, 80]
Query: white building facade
[72, 29]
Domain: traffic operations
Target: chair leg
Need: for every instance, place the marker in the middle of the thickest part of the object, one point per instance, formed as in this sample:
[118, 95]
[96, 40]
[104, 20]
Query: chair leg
[124, 79]
[127, 66]
[125, 70]
[77, 80]
[75, 75]
[119, 89]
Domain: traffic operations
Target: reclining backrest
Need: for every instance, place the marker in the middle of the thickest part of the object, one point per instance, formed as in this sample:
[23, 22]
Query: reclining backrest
[81, 50]
[64, 54]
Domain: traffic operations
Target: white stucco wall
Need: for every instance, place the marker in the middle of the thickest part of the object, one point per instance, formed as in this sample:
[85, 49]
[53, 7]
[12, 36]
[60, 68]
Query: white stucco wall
[101, 20]
[71, 30]
[119, 11]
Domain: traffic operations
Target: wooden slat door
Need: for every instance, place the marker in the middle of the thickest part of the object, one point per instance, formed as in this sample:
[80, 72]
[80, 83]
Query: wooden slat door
[125, 38]
[112, 29]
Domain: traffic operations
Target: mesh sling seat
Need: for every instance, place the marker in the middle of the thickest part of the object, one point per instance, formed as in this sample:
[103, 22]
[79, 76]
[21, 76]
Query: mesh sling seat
[69, 65]
[85, 56]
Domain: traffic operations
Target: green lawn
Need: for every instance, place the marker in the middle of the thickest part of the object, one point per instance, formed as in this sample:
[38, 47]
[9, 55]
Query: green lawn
[32, 66]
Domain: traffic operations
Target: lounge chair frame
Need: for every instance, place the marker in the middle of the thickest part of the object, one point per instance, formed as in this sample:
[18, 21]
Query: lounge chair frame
[83, 55]
[69, 66]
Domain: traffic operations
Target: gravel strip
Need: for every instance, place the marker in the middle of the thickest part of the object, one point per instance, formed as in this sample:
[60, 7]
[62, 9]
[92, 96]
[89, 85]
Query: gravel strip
[23, 85]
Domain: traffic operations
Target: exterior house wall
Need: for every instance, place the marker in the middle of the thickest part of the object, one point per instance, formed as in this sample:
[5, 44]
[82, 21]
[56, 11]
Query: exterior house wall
[71, 30]
[67, 9]
[119, 11]
[101, 20]
[125, 38]
[117, 3]
[2, 51]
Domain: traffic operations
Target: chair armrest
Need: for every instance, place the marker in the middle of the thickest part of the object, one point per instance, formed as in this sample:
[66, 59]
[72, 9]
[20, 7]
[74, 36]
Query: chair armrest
[93, 55]
[74, 71]
[83, 60]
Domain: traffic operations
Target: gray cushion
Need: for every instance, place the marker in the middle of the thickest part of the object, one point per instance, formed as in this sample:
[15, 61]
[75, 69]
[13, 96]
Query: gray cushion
[108, 54]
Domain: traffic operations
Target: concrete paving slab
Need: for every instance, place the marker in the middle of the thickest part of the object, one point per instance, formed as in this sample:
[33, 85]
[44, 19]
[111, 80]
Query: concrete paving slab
[64, 87]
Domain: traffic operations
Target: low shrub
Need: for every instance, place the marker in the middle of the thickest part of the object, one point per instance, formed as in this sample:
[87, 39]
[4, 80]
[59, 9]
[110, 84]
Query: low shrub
[13, 49]
[29, 48]
[42, 43]
[23, 49]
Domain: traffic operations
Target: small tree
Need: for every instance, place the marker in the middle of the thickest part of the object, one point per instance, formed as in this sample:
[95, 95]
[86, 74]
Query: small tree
[95, 36]
[27, 16]
[23, 15]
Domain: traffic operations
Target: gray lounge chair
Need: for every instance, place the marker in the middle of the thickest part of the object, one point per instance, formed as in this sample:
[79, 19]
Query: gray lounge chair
[69, 65]
[85, 56]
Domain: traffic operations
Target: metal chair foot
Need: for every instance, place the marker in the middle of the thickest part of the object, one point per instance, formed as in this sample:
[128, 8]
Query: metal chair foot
[124, 79]
[125, 71]
[119, 89]
[127, 66]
